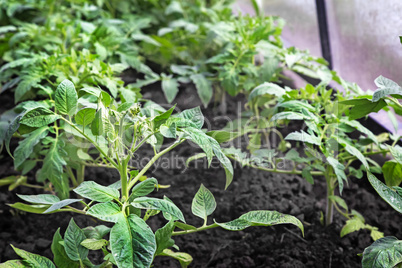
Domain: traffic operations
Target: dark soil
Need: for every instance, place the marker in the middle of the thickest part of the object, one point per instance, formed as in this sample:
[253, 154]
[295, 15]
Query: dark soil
[278, 246]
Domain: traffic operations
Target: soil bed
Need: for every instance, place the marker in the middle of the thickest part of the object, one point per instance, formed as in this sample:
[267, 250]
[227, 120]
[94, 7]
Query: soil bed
[279, 246]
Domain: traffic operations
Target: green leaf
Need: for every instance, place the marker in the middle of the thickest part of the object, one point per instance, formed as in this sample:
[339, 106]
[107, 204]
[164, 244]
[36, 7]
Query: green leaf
[304, 137]
[225, 162]
[184, 258]
[162, 118]
[37, 209]
[288, 116]
[158, 204]
[194, 115]
[97, 124]
[97, 232]
[203, 203]
[52, 168]
[13, 264]
[170, 88]
[26, 146]
[60, 257]
[385, 252]
[306, 173]
[204, 88]
[296, 105]
[202, 140]
[266, 88]
[72, 242]
[46, 199]
[12, 128]
[339, 171]
[396, 153]
[168, 131]
[355, 152]
[85, 116]
[261, 218]
[392, 171]
[34, 260]
[352, 225]
[363, 107]
[39, 117]
[386, 193]
[97, 192]
[163, 237]
[94, 244]
[105, 211]
[356, 124]
[66, 98]
[222, 136]
[143, 188]
[61, 204]
[338, 200]
[132, 242]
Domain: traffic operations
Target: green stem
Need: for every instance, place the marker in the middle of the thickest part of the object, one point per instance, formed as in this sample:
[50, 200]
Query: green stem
[365, 154]
[124, 179]
[214, 225]
[133, 149]
[72, 177]
[151, 162]
[330, 206]
[80, 174]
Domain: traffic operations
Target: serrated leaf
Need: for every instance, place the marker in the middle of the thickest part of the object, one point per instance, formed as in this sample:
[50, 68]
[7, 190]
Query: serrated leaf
[61, 204]
[132, 242]
[26, 146]
[363, 107]
[143, 188]
[352, 225]
[385, 252]
[46, 199]
[72, 242]
[85, 116]
[163, 237]
[97, 192]
[158, 204]
[66, 98]
[108, 211]
[386, 193]
[304, 137]
[203, 203]
[39, 117]
[33, 260]
[60, 257]
[356, 124]
[204, 88]
[194, 115]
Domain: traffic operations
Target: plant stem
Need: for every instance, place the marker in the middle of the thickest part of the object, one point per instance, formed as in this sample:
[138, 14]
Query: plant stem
[214, 225]
[80, 174]
[72, 177]
[151, 162]
[330, 206]
[124, 179]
